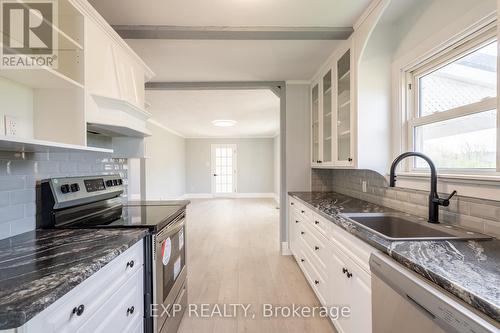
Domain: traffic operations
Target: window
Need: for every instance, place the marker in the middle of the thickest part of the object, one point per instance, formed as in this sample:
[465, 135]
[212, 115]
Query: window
[451, 101]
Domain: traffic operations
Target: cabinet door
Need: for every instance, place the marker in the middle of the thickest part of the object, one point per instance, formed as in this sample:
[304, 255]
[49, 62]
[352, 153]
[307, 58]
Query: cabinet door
[340, 286]
[327, 118]
[344, 114]
[315, 120]
[100, 72]
[130, 78]
[359, 299]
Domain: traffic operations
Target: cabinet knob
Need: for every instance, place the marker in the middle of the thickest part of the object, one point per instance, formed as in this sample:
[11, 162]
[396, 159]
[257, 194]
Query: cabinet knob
[349, 159]
[130, 264]
[316, 222]
[291, 203]
[79, 310]
[344, 270]
[130, 310]
[316, 282]
[316, 248]
[296, 221]
[302, 232]
[302, 260]
[302, 211]
[349, 274]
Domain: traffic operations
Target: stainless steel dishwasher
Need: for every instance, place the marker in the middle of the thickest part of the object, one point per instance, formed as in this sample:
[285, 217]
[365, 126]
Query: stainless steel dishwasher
[402, 301]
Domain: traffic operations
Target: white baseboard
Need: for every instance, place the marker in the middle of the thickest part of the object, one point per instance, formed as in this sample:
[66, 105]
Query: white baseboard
[285, 250]
[232, 195]
[253, 195]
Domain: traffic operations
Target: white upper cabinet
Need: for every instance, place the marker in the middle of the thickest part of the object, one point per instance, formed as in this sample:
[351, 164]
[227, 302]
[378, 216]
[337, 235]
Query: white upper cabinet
[100, 73]
[97, 87]
[331, 114]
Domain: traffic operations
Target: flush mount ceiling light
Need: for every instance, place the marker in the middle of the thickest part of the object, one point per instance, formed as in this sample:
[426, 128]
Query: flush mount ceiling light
[223, 123]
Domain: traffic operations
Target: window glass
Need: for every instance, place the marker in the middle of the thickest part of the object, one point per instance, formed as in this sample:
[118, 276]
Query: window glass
[460, 143]
[467, 80]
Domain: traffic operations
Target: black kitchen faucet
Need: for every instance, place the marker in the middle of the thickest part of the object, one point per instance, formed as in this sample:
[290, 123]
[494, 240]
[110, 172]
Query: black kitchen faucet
[434, 200]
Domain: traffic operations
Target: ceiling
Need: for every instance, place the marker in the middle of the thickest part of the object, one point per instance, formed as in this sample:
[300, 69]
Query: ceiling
[233, 60]
[303, 13]
[190, 112]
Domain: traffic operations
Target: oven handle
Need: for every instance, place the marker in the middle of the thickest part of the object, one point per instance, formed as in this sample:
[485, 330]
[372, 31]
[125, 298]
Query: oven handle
[172, 228]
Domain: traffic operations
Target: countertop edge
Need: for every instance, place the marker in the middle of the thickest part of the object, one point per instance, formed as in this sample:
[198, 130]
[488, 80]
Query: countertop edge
[16, 319]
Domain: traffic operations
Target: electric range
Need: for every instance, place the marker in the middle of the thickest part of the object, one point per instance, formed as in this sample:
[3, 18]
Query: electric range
[97, 202]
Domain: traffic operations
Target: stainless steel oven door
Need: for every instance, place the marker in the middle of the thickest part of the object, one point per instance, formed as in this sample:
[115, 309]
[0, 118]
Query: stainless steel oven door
[170, 266]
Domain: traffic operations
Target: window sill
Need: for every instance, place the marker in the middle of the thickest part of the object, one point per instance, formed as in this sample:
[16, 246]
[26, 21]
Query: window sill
[476, 186]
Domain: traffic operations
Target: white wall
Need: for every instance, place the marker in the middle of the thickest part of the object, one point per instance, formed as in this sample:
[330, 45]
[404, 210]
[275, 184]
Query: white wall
[298, 136]
[255, 165]
[17, 101]
[277, 168]
[166, 164]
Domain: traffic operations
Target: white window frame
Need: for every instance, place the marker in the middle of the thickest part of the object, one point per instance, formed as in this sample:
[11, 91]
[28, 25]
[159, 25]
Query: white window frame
[466, 45]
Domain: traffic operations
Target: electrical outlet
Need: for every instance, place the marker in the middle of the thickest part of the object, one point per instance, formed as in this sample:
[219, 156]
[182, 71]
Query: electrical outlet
[10, 126]
[364, 186]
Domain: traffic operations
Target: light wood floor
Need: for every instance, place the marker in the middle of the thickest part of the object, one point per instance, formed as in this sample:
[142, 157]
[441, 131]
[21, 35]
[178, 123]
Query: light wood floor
[233, 257]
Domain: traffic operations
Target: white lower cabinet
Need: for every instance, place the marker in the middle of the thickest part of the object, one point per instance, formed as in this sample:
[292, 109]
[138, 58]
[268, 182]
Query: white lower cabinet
[111, 300]
[335, 265]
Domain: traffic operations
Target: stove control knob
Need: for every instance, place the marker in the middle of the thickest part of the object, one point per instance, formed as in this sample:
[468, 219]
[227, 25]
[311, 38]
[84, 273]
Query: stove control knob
[109, 183]
[120, 182]
[115, 182]
[65, 188]
[75, 187]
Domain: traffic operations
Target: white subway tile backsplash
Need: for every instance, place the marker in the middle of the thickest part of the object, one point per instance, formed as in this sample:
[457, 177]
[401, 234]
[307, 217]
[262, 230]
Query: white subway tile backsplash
[11, 183]
[20, 173]
[10, 213]
[22, 196]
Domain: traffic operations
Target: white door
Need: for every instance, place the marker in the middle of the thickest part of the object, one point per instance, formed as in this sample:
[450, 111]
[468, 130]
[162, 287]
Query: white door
[223, 169]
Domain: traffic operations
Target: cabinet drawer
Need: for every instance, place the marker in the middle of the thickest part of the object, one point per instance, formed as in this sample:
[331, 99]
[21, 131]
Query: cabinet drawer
[320, 223]
[121, 311]
[316, 248]
[317, 281]
[90, 295]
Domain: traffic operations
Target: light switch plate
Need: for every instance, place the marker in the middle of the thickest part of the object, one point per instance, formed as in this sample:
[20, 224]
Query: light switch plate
[11, 125]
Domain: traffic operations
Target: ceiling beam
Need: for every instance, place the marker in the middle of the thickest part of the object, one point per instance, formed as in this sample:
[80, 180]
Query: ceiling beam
[232, 33]
[274, 86]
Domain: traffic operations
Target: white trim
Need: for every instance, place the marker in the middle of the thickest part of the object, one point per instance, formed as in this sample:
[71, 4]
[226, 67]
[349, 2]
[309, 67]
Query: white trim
[366, 13]
[232, 137]
[229, 195]
[285, 249]
[157, 123]
[301, 82]
[255, 195]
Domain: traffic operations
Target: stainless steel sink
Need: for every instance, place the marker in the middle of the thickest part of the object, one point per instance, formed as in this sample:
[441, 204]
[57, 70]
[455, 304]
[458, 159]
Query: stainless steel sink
[399, 226]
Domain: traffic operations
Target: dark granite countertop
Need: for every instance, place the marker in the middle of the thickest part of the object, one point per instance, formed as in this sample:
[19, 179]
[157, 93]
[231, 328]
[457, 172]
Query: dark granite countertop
[470, 270]
[39, 267]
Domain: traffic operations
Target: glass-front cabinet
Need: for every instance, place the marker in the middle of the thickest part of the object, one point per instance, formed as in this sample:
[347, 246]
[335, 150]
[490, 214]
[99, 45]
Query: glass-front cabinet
[315, 124]
[344, 110]
[327, 116]
[331, 115]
